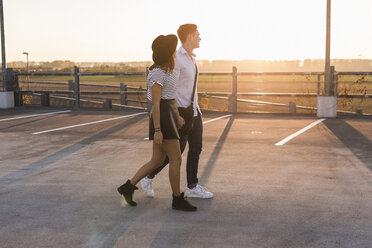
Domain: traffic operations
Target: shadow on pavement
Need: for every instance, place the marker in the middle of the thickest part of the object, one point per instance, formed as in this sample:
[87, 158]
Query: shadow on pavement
[25, 123]
[172, 232]
[217, 149]
[359, 144]
[39, 165]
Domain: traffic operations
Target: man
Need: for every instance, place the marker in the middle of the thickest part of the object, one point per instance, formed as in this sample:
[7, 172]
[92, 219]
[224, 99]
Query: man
[185, 71]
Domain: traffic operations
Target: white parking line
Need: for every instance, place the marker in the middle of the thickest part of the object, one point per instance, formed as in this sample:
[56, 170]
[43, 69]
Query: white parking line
[283, 141]
[215, 119]
[205, 122]
[89, 123]
[30, 116]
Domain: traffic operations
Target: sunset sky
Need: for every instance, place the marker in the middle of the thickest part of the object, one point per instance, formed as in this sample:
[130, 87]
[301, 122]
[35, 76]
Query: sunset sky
[122, 30]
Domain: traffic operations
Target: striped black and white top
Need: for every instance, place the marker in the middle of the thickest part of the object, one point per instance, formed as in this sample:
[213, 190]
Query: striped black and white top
[165, 79]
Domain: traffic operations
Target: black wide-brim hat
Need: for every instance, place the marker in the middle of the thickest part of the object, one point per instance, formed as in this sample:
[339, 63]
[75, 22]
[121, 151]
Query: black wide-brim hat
[163, 48]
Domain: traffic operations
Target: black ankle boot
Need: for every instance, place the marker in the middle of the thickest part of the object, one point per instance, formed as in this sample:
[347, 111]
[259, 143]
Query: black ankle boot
[127, 191]
[179, 203]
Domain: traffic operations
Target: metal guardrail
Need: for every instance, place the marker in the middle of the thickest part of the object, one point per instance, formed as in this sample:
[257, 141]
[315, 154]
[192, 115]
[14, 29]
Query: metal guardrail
[82, 84]
[121, 91]
[82, 92]
[206, 94]
[285, 105]
[354, 73]
[107, 104]
[81, 74]
[232, 97]
[279, 73]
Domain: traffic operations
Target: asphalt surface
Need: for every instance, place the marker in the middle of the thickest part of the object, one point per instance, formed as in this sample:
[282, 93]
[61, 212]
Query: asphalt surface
[58, 189]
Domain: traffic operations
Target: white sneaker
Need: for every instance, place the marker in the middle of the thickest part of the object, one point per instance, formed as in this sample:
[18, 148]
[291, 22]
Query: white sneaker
[198, 192]
[146, 185]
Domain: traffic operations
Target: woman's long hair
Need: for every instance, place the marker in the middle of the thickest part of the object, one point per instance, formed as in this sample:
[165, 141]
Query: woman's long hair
[167, 66]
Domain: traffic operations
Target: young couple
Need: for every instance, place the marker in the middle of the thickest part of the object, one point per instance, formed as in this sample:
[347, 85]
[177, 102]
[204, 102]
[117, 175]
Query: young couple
[170, 84]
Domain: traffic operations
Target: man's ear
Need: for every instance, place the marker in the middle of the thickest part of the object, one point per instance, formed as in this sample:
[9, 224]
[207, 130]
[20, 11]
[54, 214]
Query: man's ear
[188, 37]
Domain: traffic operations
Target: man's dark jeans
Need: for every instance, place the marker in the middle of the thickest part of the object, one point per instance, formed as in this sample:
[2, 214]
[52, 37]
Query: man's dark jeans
[195, 139]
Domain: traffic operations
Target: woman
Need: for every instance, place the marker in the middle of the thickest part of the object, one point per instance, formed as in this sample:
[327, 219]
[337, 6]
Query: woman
[164, 123]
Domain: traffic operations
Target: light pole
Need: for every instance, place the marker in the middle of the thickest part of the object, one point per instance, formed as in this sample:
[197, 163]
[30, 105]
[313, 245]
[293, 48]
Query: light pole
[28, 82]
[327, 104]
[7, 93]
[327, 70]
[3, 44]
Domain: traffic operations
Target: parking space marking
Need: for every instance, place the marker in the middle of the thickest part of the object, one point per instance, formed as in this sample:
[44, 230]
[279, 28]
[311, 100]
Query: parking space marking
[283, 141]
[205, 122]
[36, 115]
[218, 118]
[89, 123]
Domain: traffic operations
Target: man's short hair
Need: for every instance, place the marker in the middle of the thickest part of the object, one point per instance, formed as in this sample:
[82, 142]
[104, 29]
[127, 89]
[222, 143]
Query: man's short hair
[184, 31]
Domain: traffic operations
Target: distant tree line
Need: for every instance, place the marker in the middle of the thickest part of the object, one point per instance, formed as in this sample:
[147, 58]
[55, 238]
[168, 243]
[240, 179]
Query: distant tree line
[307, 65]
[68, 66]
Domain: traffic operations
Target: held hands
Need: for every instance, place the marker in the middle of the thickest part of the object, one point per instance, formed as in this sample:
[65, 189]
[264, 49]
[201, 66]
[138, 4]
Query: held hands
[158, 137]
[180, 122]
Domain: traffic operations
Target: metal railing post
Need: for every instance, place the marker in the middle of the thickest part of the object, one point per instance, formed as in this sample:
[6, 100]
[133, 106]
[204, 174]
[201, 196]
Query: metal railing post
[332, 81]
[9, 84]
[107, 104]
[233, 97]
[123, 94]
[45, 99]
[292, 108]
[318, 85]
[17, 92]
[71, 90]
[77, 87]
[335, 79]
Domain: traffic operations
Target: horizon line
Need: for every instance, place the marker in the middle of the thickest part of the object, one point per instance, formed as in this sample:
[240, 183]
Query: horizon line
[198, 60]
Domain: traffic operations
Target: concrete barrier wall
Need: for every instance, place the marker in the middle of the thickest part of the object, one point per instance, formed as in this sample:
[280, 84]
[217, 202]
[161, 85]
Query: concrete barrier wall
[6, 99]
[327, 106]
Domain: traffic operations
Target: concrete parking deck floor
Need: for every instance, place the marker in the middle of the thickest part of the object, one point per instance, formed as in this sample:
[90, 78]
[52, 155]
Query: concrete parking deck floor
[58, 189]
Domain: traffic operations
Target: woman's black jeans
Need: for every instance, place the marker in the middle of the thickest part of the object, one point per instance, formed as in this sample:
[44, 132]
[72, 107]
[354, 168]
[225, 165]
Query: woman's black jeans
[195, 140]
